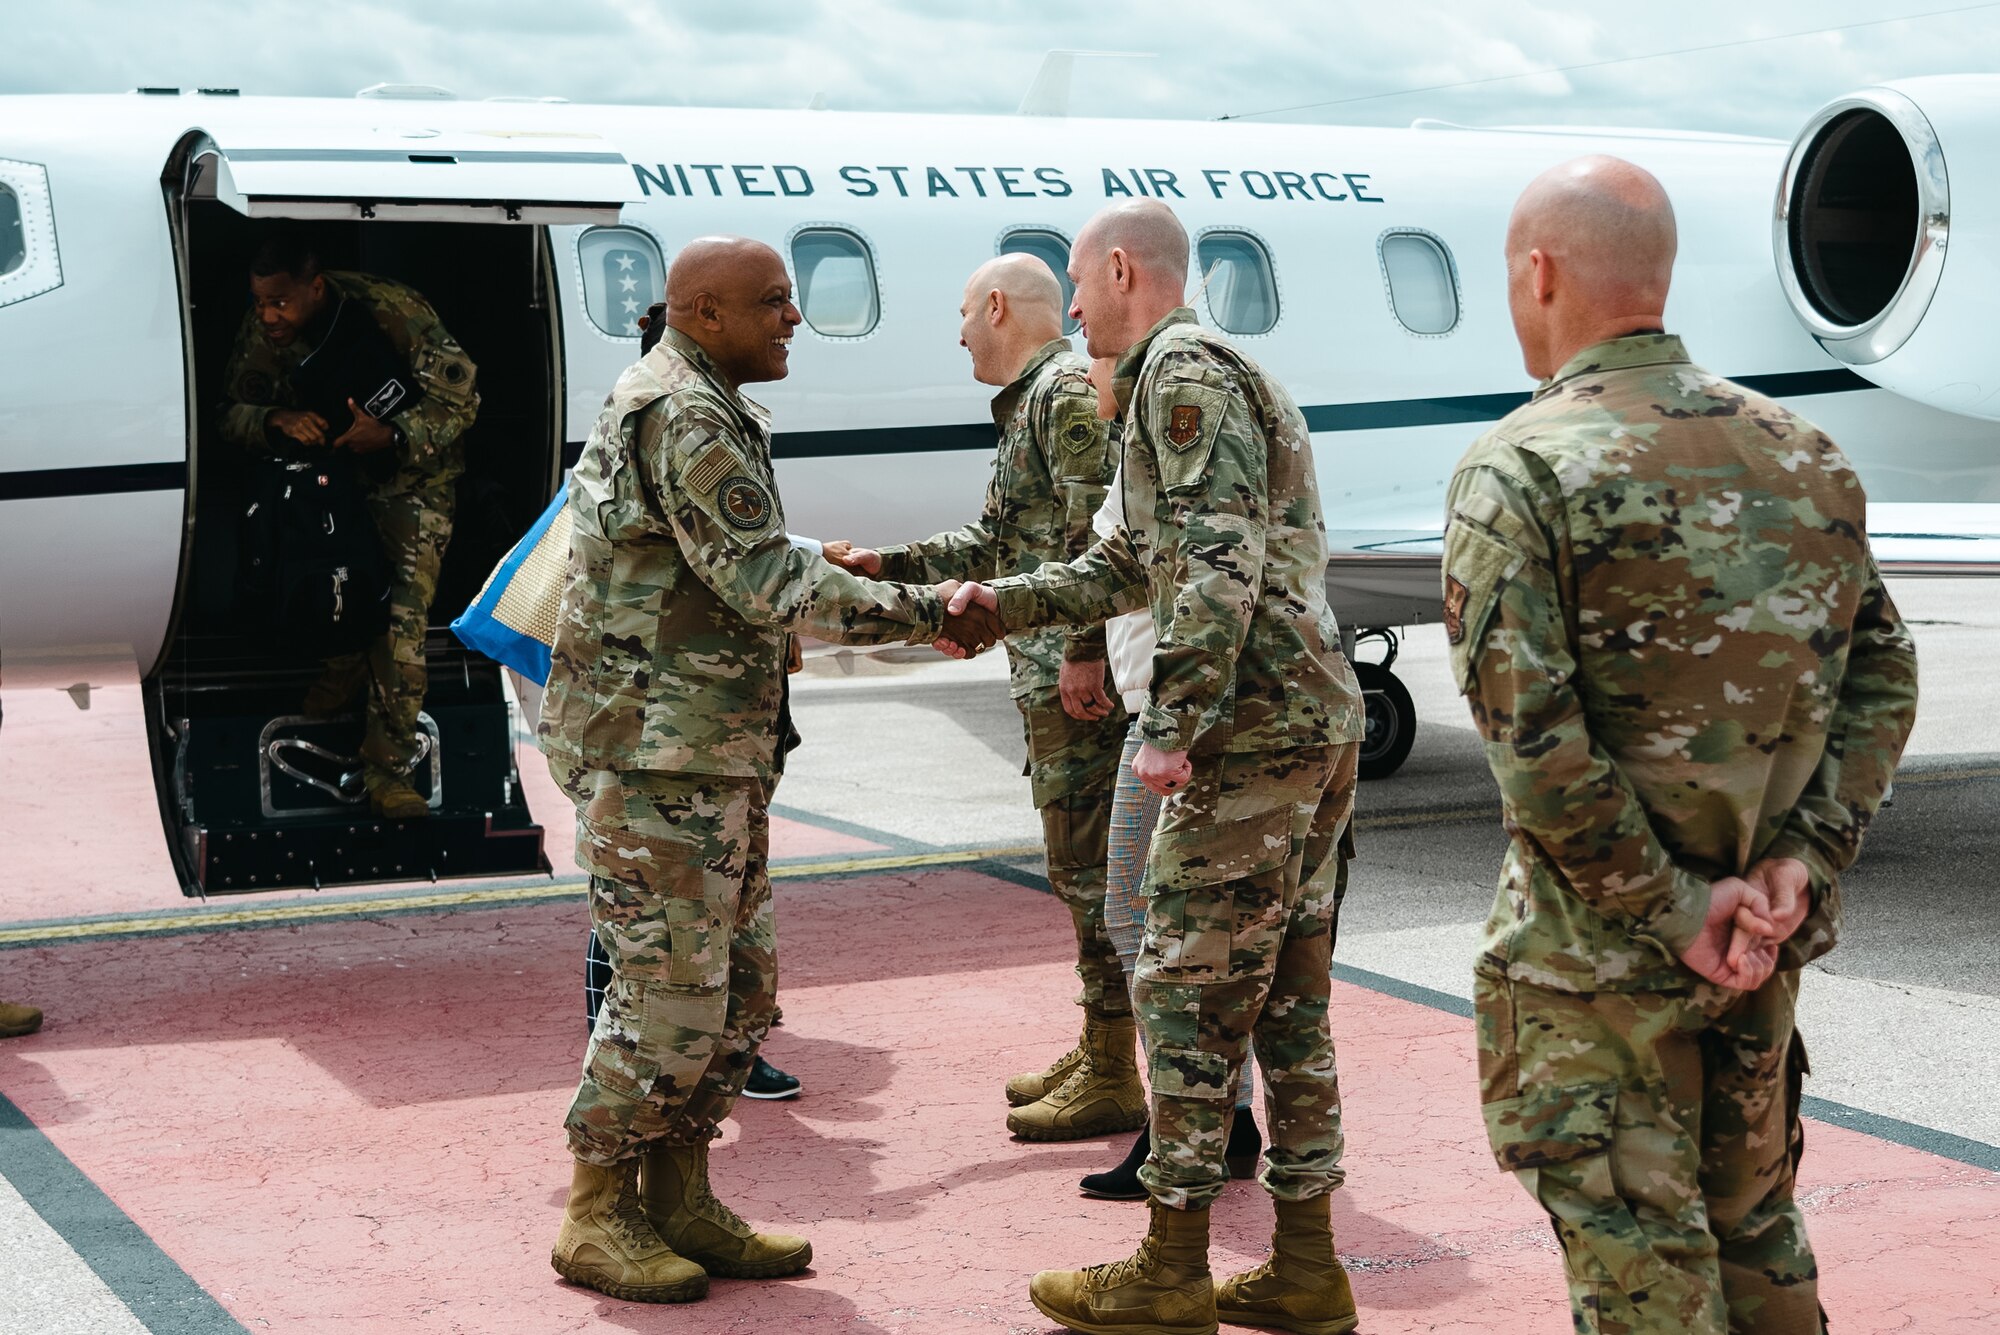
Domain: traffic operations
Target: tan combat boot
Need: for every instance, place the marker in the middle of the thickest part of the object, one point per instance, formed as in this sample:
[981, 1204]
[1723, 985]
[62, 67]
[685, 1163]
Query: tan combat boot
[607, 1243]
[18, 1020]
[1301, 1286]
[1102, 1095]
[394, 799]
[673, 1182]
[1162, 1289]
[1026, 1088]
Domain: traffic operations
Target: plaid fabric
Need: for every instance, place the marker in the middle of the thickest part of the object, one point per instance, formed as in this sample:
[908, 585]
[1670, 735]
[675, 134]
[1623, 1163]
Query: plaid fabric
[1135, 810]
[596, 977]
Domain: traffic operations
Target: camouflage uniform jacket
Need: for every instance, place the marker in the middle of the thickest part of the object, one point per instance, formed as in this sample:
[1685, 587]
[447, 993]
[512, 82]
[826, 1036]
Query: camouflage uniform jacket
[259, 378]
[670, 651]
[1223, 530]
[1048, 480]
[1664, 613]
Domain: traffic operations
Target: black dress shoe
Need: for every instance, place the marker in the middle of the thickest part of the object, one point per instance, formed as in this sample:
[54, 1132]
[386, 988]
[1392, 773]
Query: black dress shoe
[1122, 1183]
[768, 1082]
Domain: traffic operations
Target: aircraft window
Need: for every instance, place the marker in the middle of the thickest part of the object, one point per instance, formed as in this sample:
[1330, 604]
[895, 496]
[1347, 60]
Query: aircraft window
[1052, 250]
[13, 238]
[1242, 291]
[622, 276]
[836, 277]
[1423, 290]
[29, 264]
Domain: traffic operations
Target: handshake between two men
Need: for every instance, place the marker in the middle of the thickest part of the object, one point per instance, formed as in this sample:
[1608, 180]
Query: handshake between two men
[972, 624]
[972, 621]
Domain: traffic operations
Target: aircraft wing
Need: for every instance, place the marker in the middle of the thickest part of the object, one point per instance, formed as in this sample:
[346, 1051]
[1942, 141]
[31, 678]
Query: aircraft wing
[1389, 576]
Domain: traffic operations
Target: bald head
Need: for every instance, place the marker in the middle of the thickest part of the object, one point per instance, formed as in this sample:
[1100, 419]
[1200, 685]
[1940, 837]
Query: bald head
[1027, 284]
[1011, 310]
[732, 296]
[1590, 256]
[1130, 267]
[1147, 231]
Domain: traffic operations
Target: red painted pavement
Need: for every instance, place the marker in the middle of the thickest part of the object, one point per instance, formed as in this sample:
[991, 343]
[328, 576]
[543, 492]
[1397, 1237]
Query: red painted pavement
[354, 1126]
[80, 830]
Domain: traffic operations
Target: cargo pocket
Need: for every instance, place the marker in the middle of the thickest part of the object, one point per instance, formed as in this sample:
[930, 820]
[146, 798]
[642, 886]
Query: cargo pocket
[1190, 1073]
[1558, 1142]
[658, 912]
[618, 1069]
[1191, 919]
[1478, 566]
[1557, 1125]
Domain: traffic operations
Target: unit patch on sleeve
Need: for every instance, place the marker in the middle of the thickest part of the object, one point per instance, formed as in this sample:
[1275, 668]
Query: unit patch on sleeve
[744, 503]
[1184, 424]
[1455, 595]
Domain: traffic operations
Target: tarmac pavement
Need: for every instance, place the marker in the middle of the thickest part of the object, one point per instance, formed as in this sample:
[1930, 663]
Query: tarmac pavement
[341, 1112]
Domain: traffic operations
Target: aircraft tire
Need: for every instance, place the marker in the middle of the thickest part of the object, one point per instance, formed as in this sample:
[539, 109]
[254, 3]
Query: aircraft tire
[1389, 721]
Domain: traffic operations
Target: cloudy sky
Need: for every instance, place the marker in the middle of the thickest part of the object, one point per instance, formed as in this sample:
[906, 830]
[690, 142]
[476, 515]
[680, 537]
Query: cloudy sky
[1202, 59]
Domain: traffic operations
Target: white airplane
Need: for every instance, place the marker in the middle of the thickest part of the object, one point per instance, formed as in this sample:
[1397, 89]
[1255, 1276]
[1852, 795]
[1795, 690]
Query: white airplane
[1361, 266]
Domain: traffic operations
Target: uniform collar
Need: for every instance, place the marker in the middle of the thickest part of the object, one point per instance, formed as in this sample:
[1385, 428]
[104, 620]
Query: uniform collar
[1619, 354]
[691, 352]
[1004, 401]
[1126, 377]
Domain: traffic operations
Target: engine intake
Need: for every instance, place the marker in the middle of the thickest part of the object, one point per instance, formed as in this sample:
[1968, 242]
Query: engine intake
[1864, 218]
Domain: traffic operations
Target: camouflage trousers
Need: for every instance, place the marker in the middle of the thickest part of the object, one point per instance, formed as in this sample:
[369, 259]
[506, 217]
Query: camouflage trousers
[1660, 1131]
[1073, 769]
[1245, 879]
[415, 527]
[680, 899]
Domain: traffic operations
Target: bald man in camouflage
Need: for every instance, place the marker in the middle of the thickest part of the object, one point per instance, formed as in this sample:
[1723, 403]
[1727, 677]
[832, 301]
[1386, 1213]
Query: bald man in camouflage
[1251, 737]
[1693, 689]
[661, 722]
[1049, 478]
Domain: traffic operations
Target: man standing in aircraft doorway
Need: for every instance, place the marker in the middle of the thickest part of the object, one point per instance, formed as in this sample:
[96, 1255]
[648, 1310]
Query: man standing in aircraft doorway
[293, 304]
[661, 722]
[1252, 736]
[1693, 690]
[1049, 476]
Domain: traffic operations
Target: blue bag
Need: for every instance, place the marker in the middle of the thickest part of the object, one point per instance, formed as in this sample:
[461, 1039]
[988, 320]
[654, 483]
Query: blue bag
[513, 620]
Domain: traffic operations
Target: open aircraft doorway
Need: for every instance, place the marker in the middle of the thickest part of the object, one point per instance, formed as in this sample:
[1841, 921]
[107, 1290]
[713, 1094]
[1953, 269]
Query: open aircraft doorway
[254, 795]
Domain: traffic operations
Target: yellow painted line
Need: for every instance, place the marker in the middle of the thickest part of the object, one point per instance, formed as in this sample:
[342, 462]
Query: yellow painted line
[490, 897]
[1949, 775]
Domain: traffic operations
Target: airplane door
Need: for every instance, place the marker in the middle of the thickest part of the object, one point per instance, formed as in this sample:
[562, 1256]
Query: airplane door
[255, 794]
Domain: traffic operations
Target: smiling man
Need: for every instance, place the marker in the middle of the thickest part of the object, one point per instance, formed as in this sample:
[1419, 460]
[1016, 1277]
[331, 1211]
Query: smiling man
[661, 722]
[414, 461]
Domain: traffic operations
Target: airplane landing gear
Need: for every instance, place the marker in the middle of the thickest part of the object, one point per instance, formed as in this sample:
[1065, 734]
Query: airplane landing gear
[1389, 718]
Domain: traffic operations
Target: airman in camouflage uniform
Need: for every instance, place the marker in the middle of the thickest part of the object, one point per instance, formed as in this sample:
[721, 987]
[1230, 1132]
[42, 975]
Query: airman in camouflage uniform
[1257, 716]
[1049, 475]
[412, 505]
[1663, 611]
[660, 721]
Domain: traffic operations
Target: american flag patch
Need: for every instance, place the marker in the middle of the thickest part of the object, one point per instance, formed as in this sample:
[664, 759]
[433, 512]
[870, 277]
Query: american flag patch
[716, 462]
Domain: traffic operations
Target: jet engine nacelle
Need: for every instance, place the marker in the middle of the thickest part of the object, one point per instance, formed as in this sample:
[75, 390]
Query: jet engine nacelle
[1887, 237]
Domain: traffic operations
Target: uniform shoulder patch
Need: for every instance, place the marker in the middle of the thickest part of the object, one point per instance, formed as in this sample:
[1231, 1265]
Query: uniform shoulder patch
[744, 503]
[1455, 596]
[1184, 424]
[709, 468]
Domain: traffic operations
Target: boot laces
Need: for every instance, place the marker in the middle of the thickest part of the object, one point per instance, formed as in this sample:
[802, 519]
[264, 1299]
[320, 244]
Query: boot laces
[1078, 1054]
[1113, 1273]
[634, 1229]
[1083, 1075]
[706, 1203]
